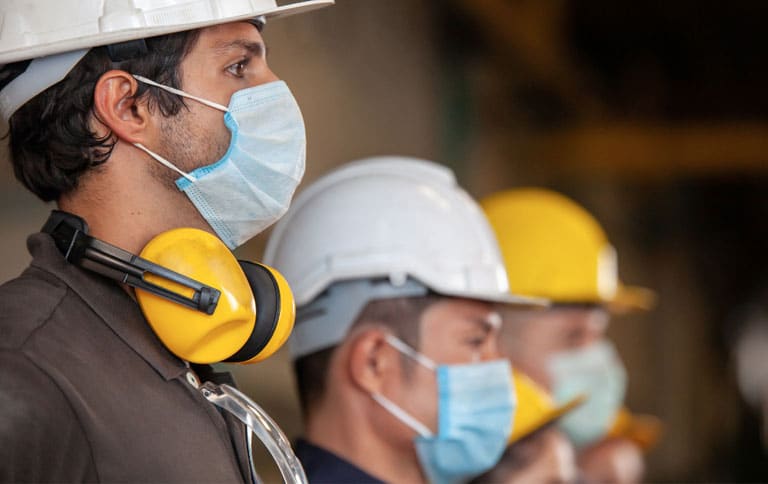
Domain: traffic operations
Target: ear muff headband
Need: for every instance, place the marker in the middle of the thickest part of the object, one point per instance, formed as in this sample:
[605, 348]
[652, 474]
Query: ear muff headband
[70, 233]
[200, 301]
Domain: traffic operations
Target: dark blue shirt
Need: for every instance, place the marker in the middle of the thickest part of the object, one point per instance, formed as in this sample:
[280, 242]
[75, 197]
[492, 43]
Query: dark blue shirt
[324, 467]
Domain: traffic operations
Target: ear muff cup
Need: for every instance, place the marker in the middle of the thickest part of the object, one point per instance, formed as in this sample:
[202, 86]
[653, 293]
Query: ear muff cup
[275, 313]
[254, 315]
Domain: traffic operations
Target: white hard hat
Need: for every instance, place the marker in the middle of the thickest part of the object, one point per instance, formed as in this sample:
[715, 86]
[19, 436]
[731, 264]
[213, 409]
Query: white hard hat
[57, 34]
[390, 217]
[382, 228]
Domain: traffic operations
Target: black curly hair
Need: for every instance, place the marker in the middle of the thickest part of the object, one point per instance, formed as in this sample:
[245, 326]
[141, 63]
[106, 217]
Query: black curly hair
[51, 143]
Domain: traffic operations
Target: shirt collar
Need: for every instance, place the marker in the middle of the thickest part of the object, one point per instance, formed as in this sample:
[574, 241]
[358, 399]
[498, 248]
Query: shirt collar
[110, 302]
[322, 465]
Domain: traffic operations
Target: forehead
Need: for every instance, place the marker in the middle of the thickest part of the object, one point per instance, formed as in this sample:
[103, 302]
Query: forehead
[553, 318]
[219, 37]
[456, 314]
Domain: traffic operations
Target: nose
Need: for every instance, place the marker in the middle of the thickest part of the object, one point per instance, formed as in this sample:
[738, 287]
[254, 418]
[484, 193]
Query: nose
[596, 323]
[272, 76]
[490, 351]
[267, 76]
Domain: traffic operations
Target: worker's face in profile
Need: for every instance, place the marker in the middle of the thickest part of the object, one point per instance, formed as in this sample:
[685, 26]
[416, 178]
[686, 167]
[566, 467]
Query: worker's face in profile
[453, 331]
[224, 59]
[531, 338]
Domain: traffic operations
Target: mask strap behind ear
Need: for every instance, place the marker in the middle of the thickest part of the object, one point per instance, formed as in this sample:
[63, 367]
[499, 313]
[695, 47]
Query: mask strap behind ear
[70, 233]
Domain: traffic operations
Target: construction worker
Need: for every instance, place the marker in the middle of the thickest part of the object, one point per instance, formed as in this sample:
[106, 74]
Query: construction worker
[396, 275]
[137, 119]
[554, 248]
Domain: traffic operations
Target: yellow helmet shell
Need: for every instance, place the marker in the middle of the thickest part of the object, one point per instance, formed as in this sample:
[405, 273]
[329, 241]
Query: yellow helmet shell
[555, 249]
[192, 335]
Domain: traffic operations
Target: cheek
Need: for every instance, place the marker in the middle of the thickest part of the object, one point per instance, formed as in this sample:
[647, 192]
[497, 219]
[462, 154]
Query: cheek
[420, 396]
[204, 136]
[213, 135]
[535, 366]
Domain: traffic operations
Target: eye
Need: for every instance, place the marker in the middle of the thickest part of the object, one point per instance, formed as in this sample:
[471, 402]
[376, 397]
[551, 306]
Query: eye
[476, 341]
[238, 69]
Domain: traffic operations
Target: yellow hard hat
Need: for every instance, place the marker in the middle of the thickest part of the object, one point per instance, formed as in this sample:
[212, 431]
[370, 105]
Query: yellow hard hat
[554, 248]
[535, 408]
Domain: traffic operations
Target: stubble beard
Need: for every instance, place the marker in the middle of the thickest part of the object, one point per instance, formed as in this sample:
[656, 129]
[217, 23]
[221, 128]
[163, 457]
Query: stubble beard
[187, 145]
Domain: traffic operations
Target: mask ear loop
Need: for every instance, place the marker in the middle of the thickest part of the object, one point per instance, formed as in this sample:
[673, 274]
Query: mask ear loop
[388, 404]
[403, 348]
[181, 93]
[164, 162]
[402, 415]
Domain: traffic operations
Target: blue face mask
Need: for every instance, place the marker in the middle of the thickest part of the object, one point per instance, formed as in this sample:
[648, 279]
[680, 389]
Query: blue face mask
[476, 403]
[595, 371]
[251, 186]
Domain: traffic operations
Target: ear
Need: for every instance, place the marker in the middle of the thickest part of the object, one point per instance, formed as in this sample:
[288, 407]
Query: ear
[117, 108]
[371, 361]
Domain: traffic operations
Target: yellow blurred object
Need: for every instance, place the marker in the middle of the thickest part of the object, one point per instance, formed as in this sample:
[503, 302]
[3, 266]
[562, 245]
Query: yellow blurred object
[643, 430]
[535, 408]
[190, 334]
[555, 249]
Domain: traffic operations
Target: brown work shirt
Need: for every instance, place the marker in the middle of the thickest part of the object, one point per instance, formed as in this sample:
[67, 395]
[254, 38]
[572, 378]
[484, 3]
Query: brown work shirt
[89, 393]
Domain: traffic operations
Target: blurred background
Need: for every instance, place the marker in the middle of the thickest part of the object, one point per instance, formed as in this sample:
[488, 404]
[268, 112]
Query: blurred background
[653, 115]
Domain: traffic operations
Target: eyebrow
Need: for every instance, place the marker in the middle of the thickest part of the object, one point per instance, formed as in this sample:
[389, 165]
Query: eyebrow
[484, 324]
[254, 48]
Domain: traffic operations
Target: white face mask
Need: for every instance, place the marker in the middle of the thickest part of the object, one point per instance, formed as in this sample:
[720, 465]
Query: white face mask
[476, 406]
[251, 186]
[595, 371]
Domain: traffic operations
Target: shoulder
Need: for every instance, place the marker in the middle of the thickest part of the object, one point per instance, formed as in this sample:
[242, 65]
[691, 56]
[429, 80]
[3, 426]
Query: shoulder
[42, 437]
[26, 304]
[323, 466]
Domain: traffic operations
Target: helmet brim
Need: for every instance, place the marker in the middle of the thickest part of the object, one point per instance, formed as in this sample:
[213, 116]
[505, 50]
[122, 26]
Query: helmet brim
[516, 301]
[96, 39]
[547, 419]
[631, 299]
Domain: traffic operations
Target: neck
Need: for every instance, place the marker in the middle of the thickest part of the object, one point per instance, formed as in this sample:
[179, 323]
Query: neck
[126, 206]
[342, 426]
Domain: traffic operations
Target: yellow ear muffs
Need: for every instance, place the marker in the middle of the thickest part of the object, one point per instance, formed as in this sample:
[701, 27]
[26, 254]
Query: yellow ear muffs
[254, 314]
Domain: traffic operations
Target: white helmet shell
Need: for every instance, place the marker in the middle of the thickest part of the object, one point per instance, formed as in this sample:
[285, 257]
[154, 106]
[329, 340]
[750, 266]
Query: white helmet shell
[56, 35]
[37, 28]
[389, 217]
